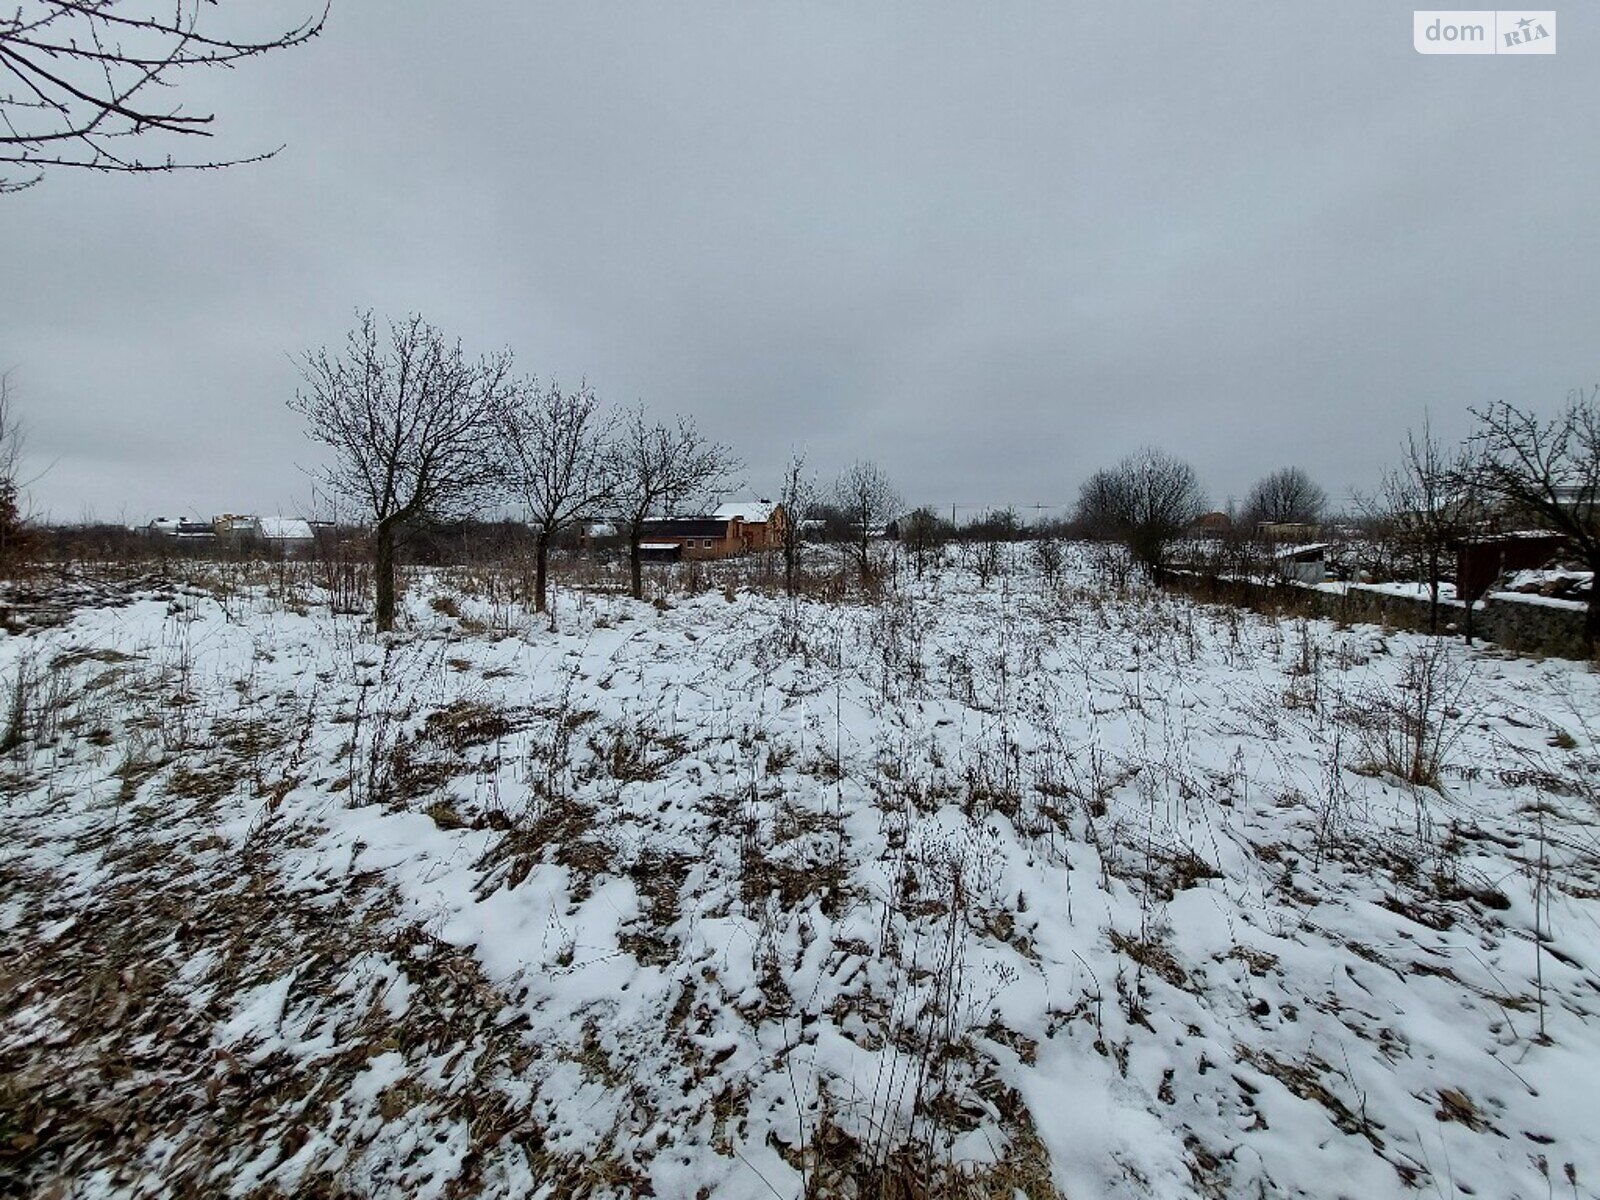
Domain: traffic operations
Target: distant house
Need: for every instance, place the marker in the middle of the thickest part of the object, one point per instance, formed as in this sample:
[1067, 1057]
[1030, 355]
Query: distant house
[1286, 531]
[234, 527]
[660, 551]
[1579, 497]
[1213, 524]
[1302, 564]
[761, 524]
[286, 533]
[697, 537]
[1482, 559]
[181, 530]
[280, 534]
[732, 529]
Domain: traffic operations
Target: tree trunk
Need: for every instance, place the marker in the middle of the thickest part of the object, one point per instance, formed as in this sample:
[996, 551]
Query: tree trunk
[541, 567]
[1432, 589]
[1591, 619]
[636, 564]
[383, 569]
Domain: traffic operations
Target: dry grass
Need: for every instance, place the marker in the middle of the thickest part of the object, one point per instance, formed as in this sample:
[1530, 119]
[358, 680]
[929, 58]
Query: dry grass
[107, 1032]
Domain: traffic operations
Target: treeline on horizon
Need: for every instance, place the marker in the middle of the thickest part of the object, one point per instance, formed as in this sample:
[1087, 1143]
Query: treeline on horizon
[422, 441]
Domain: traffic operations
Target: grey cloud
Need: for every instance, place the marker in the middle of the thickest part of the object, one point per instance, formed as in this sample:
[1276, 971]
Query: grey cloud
[993, 247]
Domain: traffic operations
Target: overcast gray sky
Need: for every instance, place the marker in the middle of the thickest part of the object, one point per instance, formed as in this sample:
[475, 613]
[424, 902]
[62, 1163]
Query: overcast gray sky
[992, 246]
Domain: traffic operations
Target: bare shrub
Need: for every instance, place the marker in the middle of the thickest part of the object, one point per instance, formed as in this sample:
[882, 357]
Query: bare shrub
[1049, 558]
[986, 559]
[1145, 502]
[1408, 730]
[869, 502]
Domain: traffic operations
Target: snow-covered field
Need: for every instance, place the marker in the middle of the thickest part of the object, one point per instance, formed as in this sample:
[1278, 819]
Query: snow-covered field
[1027, 889]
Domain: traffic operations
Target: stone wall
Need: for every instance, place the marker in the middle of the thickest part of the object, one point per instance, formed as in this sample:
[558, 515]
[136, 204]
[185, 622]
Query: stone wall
[1529, 627]
[1524, 625]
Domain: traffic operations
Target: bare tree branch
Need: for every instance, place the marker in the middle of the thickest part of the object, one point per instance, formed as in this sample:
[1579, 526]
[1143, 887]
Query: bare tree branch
[81, 71]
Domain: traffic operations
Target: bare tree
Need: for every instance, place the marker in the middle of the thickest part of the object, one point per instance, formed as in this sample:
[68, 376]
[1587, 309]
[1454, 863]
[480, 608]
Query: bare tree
[797, 497]
[1424, 505]
[1288, 496]
[1049, 557]
[1145, 502]
[869, 502]
[657, 469]
[12, 434]
[83, 77]
[1547, 471]
[558, 465]
[414, 428]
[15, 536]
[923, 532]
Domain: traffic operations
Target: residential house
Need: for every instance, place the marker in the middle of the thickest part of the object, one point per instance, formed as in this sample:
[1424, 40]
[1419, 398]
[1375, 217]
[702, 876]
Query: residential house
[286, 533]
[761, 524]
[732, 529]
[1484, 558]
[1302, 564]
[234, 527]
[1286, 531]
[282, 535]
[696, 537]
[181, 530]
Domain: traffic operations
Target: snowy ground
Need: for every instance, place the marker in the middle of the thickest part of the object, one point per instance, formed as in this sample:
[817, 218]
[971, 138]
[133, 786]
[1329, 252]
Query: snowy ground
[1028, 889]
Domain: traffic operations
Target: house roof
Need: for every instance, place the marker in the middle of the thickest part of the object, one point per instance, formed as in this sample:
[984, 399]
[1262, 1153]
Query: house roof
[687, 527]
[1511, 535]
[284, 528]
[752, 512]
[1307, 552]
